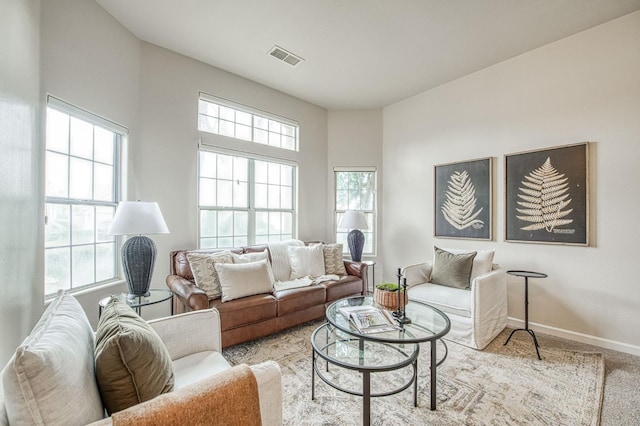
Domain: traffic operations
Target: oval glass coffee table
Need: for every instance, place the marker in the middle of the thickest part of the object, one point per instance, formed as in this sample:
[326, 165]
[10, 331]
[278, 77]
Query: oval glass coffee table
[428, 324]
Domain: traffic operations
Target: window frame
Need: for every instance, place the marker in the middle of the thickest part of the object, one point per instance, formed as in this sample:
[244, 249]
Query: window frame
[254, 128]
[120, 134]
[373, 213]
[251, 208]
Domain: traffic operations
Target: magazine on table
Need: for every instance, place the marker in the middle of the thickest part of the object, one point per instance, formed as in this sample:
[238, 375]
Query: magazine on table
[369, 319]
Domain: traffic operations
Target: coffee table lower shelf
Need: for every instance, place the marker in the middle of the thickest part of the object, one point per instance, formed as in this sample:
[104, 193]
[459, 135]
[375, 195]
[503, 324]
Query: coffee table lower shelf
[365, 356]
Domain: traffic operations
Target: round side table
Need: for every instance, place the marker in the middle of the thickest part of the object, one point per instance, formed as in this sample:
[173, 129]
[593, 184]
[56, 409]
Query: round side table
[526, 275]
[137, 302]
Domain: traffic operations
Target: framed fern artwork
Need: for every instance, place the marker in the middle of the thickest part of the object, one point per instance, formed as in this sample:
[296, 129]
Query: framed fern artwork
[546, 195]
[463, 199]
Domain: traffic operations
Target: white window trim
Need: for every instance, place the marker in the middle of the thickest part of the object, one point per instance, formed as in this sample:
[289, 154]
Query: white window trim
[245, 108]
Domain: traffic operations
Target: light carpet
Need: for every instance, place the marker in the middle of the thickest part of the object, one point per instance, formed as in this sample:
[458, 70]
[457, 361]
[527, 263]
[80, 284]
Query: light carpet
[502, 385]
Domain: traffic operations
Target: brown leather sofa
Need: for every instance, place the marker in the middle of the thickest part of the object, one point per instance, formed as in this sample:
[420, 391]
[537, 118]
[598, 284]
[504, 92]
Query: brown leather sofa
[251, 317]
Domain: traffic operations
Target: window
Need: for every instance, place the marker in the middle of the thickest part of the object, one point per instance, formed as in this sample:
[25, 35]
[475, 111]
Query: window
[244, 200]
[240, 122]
[81, 193]
[356, 190]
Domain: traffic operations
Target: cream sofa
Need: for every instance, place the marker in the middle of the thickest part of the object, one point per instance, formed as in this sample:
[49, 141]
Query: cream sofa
[477, 314]
[61, 389]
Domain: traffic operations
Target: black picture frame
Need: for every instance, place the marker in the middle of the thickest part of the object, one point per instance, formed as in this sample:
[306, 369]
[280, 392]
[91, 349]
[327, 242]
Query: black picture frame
[547, 195]
[463, 200]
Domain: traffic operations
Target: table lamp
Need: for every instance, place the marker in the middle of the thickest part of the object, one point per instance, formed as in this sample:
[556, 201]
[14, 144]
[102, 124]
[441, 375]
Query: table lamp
[138, 252]
[354, 220]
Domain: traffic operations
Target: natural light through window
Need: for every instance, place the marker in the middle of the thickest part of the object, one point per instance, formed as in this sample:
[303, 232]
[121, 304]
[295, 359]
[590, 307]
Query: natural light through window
[244, 200]
[81, 193]
[356, 190]
[239, 122]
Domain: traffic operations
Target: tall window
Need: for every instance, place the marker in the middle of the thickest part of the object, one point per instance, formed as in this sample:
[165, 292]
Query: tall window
[226, 118]
[81, 193]
[244, 200]
[356, 190]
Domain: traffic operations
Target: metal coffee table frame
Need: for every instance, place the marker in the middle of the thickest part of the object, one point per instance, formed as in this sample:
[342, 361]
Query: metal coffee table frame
[332, 338]
[417, 332]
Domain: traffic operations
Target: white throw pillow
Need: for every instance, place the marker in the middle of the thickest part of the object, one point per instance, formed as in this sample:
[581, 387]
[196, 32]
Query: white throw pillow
[250, 257]
[306, 261]
[481, 263]
[51, 378]
[204, 271]
[244, 279]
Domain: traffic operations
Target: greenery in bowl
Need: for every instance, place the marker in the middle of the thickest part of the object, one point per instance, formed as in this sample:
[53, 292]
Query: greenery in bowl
[392, 287]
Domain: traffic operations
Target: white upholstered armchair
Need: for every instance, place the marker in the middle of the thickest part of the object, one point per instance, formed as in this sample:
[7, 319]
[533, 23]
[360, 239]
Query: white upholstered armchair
[478, 314]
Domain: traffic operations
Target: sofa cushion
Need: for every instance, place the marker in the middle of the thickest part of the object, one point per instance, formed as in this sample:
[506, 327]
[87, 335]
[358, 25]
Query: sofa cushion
[348, 285]
[245, 279]
[449, 300]
[333, 260]
[244, 311]
[452, 270]
[250, 256]
[482, 263]
[192, 368]
[306, 261]
[298, 299]
[204, 271]
[132, 363]
[52, 364]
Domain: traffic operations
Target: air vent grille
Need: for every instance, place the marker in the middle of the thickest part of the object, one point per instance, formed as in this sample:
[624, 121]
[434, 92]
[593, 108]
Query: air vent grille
[285, 56]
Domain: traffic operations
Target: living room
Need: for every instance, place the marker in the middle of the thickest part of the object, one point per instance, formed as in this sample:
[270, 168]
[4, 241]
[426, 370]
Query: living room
[581, 88]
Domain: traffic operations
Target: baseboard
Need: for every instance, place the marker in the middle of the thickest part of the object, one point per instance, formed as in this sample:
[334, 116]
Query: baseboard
[578, 337]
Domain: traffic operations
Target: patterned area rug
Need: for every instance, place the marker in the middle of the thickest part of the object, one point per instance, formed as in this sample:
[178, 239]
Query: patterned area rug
[498, 386]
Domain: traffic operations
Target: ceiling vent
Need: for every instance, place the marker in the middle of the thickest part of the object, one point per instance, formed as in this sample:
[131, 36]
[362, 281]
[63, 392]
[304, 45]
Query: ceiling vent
[285, 56]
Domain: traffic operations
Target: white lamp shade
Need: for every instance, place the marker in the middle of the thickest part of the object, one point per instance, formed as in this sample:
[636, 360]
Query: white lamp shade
[352, 219]
[138, 218]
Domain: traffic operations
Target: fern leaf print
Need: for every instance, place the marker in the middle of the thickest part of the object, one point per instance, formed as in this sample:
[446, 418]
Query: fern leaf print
[543, 199]
[458, 208]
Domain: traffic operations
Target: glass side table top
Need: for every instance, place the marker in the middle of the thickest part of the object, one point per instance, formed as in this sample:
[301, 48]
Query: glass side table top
[155, 296]
[427, 322]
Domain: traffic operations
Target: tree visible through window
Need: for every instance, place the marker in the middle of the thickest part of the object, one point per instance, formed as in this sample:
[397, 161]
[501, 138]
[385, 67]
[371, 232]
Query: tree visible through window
[356, 190]
[81, 193]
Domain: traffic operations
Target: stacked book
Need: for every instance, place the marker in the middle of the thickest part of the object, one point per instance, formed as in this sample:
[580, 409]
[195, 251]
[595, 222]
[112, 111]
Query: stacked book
[369, 319]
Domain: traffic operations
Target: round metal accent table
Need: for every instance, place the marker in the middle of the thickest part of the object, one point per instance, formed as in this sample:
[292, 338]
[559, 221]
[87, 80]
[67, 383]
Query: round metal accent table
[137, 302]
[526, 275]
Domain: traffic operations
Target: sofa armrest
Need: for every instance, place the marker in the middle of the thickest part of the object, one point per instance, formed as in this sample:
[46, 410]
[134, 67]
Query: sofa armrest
[190, 333]
[490, 292]
[417, 274]
[191, 296]
[269, 380]
[360, 270]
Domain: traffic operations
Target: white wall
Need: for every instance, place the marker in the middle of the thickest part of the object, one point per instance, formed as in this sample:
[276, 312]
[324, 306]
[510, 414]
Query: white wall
[355, 139]
[166, 150]
[21, 209]
[582, 88]
[91, 61]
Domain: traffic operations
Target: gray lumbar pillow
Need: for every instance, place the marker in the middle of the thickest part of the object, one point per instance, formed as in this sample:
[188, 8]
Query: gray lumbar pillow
[452, 270]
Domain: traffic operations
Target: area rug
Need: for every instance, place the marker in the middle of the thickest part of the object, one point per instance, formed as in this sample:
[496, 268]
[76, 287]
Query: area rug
[502, 385]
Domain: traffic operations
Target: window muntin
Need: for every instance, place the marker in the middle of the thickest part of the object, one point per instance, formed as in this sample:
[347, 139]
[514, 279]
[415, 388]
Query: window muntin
[356, 190]
[235, 121]
[244, 200]
[81, 192]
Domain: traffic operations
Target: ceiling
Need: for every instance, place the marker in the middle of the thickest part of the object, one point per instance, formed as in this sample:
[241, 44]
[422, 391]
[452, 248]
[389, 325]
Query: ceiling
[358, 54]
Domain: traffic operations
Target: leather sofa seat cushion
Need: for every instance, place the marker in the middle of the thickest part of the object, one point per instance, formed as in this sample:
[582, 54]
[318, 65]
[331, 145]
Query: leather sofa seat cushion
[449, 300]
[345, 286]
[244, 311]
[299, 299]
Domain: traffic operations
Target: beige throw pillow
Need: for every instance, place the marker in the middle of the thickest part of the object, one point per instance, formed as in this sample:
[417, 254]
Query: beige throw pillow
[306, 261]
[132, 363]
[204, 271]
[244, 279]
[333, 260]
[50, 380]
[452, 270]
